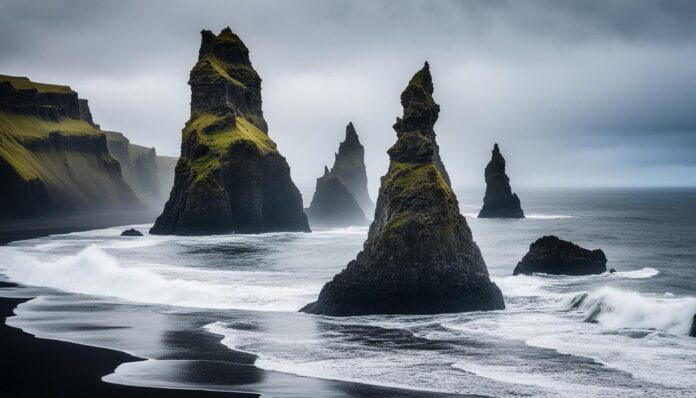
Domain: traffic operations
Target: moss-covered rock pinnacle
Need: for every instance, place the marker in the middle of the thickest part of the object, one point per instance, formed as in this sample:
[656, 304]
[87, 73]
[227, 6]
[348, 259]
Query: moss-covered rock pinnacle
[419, 256]
[230, 177]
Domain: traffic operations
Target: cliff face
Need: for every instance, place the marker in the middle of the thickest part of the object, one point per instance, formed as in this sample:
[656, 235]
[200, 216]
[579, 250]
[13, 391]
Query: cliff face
[139, 167]
[349, 166]
[499, 201]
[53, 160]
[333, 205]
[230, 177]
[419, 256]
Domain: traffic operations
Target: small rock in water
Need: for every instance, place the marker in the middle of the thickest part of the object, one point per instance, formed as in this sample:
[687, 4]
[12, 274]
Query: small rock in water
[692, 333]
[131, 232]
[611, 271]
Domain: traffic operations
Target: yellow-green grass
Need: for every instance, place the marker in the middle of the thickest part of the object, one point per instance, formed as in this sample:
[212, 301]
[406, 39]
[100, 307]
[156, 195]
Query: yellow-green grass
[31, 126]
[22, 83]
[221, 140]
[18, 130]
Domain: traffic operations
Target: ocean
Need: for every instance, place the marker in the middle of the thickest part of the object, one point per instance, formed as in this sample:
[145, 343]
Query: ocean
[186, 304]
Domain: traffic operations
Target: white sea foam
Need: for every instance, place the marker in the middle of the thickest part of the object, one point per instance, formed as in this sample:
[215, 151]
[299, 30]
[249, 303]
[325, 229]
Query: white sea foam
[618, 309]
[94, 272]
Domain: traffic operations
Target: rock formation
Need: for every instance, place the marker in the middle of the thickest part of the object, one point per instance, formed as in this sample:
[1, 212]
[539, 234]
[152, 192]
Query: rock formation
[131, 232]
[419, 257]
[53, 158]
[333, 204]
[349, 166]
[230, 176]
[140, 168]
[551, 255]
[499, 201]
[692, 332]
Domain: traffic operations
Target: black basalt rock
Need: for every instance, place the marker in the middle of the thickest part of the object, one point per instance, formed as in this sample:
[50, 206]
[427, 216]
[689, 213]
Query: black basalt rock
[349, 166]
[131, 232]
[419, 257]
[230, 177]
[333, 205]
[499, 201]
[551, 255]
[692, 333]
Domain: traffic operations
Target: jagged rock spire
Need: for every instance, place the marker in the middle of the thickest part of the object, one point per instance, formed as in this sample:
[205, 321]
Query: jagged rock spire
[499, 201]
[419, 256]
[349, 166]
[224, 81]
[421, 112]
[230, 177]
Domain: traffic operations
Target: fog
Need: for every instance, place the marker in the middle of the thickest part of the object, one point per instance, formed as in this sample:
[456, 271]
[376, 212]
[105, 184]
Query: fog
[579, 94]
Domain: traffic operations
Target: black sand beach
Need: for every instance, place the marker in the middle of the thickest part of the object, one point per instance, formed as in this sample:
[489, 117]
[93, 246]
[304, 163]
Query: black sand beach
[39, 367]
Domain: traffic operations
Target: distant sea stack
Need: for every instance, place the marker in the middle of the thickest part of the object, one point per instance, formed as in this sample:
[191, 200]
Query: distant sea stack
[419, 257]
[551, 255]
[230, 177]
[53, 158]
[333, 204]
[349, 166]
[499, 201]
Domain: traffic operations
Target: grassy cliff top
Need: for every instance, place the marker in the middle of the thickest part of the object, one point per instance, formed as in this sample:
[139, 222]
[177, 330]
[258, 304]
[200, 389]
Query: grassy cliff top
[211, 132]
[30, 126]
[23, 83]
[16, 130]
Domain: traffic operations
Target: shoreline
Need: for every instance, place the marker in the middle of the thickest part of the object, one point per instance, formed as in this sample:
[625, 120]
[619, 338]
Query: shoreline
[12, 230]
[56, 368]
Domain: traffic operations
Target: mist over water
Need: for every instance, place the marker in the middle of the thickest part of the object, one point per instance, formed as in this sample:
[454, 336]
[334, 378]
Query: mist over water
[602, 335]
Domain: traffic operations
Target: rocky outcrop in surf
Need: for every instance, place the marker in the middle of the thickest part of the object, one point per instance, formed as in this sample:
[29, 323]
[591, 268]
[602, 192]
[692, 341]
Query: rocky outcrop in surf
[333, 204]
[692, 332]
[349, 167]
[131, 232]
[419, 257]
[53, 159]
[230, 176]
[499, 200]
[551, 255]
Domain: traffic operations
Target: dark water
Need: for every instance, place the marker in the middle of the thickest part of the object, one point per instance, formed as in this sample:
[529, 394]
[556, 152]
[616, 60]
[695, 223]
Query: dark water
[171, 299]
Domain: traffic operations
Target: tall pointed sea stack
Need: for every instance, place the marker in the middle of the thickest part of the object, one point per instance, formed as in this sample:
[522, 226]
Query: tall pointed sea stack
[349, 166]
[333, 205]
[419, 257]
[230, 177]
[499, 201]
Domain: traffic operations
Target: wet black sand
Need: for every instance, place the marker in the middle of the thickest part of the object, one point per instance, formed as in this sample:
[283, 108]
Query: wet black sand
[19, 229]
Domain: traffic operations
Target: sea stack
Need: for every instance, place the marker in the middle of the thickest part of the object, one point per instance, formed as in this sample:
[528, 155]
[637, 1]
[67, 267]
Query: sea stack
[419, 257]
[499, 201]
[551, 255]
[349, 166]
[333, 205]
[230, 177]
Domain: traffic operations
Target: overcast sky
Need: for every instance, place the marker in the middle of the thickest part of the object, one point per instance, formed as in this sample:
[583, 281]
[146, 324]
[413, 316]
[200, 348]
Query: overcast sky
[585, 93]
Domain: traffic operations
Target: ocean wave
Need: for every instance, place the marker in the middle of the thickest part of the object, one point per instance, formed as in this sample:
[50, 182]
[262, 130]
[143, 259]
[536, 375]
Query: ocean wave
[94, 272]
[619, 309]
